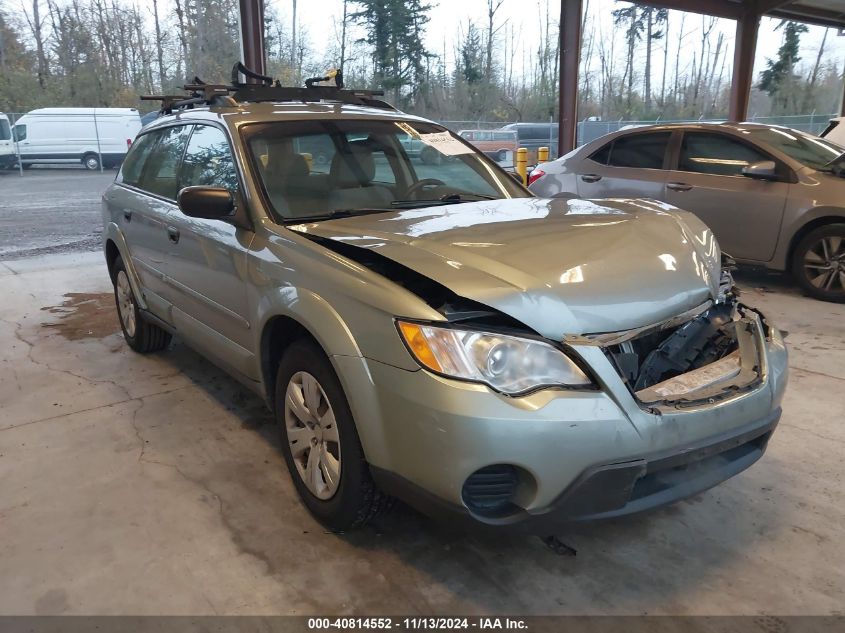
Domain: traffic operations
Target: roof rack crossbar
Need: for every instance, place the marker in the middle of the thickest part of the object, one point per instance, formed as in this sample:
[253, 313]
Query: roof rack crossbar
[201, 93]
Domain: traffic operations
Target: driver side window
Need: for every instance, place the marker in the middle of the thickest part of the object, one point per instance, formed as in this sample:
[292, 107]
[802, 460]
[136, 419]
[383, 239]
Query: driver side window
[716, 154]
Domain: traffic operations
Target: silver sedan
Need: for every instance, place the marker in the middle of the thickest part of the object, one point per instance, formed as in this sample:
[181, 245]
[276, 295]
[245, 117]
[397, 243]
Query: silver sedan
[773, 196]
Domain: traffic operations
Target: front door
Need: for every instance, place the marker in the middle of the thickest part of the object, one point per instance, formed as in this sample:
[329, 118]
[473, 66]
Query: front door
[208, 260]
[745, 214]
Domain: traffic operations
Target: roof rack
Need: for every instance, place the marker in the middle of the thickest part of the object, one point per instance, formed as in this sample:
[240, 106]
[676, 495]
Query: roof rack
[203, 94]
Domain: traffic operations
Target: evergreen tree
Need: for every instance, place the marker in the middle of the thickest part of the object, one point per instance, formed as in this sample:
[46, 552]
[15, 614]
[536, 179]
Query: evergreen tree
[779, 79]
[395, 31]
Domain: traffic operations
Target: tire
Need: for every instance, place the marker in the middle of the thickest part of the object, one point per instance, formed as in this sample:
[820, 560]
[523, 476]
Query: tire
[501, 155]
[142, 336]
[350, 498]
[818, 263]
[91, 162]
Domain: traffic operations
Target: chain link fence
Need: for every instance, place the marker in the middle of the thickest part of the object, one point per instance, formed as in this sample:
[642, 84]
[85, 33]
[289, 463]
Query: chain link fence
[589, 129]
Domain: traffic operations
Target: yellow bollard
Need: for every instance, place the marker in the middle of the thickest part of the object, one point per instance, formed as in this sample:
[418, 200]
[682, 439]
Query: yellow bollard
[543, 155]
[309, 159]
[522, 164]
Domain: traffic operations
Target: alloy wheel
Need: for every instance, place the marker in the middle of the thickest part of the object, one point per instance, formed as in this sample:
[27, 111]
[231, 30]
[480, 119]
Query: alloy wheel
[312, 435]
[125, 303]
[824, 264]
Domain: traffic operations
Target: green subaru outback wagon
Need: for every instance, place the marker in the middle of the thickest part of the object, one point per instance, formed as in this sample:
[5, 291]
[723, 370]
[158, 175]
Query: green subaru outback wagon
[432, 331]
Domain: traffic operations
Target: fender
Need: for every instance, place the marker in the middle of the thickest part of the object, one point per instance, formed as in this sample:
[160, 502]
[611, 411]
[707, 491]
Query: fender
[780, 261]
[307, 308]
[112, 232]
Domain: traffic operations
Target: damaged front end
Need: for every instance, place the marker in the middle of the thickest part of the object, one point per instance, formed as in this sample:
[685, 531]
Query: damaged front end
[705, 355]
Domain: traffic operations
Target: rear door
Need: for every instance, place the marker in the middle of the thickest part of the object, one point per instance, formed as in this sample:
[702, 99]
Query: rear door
[208, 259]
[629, 166]
[142, 208]
[745, 214]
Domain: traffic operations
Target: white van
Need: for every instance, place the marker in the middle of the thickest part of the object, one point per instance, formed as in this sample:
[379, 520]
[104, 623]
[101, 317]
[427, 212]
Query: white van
[7, 146]
[835, 131]
[73, 135]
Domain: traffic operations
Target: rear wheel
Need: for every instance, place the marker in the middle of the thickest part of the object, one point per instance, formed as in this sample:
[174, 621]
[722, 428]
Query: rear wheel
[91, 162]
[320, 444]
[818, 263]
[140, 335]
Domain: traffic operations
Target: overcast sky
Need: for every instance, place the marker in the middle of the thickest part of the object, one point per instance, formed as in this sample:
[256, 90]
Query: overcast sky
[447, 16]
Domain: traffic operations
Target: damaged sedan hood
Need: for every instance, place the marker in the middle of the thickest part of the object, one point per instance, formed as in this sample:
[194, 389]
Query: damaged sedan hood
[561, 267]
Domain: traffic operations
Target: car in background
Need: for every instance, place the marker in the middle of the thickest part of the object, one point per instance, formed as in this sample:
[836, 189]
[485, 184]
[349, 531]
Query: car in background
[532, 136]
[497, 144]
[835, 131]
[773, 196]
[76, 135]
[7, 145]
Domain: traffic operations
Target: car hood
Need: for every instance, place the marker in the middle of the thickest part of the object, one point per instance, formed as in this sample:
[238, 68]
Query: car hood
[561, 267]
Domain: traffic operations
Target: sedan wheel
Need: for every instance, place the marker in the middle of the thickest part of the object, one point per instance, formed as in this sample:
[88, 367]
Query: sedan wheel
[819, 263]
[312, 435]
[824, 264]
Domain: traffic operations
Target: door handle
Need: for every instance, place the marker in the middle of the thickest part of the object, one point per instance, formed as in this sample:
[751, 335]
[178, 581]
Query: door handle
[590, 177]
[679, 186]
[127, 215]
[173, 234]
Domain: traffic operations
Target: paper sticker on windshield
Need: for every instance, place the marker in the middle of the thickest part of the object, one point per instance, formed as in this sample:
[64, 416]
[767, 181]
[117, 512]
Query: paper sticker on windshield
[445, 143]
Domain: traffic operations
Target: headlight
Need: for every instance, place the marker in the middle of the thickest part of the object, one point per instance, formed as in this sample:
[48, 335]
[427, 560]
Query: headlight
[508, 364]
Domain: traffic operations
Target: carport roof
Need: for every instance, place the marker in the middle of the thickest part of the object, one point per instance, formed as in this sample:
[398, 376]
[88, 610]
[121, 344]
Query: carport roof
[822, 12]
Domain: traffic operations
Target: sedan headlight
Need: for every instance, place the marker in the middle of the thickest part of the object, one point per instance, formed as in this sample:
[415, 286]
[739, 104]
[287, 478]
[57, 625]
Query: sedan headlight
[509, 364]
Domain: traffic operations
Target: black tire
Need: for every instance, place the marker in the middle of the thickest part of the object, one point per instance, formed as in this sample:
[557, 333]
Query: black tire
[357, 499]
[818, 270]
[501, 155]
[91, 162]
[147, 337]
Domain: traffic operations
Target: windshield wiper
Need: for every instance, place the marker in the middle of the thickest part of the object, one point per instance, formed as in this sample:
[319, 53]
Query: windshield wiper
[337, 213]
[449, 198]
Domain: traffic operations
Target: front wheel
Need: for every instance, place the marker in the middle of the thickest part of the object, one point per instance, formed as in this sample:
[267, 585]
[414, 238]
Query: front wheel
[320, 444]
[818, 263]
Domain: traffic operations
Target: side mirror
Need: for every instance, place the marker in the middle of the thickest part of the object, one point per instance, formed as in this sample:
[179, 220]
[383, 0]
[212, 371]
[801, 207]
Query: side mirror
[211, 203]
[516, 177]
[763, 170]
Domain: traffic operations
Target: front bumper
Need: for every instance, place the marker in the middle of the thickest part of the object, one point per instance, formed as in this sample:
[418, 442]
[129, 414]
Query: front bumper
[581, 455]
[612, 490]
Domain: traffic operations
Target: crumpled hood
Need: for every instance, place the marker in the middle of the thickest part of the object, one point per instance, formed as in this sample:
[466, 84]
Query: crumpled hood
[558, 266]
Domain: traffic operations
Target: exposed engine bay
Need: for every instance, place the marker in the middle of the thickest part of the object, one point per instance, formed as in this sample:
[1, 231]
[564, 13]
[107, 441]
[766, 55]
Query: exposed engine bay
[711, 356]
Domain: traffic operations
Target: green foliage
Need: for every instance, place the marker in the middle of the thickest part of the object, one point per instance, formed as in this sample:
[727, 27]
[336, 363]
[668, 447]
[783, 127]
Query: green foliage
[779, 80]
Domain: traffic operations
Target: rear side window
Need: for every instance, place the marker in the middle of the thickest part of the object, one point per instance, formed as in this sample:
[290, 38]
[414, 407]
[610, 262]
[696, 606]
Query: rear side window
[208, 160]
[159, 173]
[638, 151]
[130, 172]
[716, 154]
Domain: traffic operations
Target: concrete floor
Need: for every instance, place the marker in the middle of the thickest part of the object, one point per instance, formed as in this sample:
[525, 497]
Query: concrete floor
[155, 485]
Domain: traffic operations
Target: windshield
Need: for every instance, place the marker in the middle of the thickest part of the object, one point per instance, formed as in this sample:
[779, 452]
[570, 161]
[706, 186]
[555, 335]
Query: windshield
[319, 169]
[5, 130]
[809, 150]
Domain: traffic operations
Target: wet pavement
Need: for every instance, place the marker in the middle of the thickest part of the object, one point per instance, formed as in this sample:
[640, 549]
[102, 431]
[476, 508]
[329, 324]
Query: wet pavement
[49, 211]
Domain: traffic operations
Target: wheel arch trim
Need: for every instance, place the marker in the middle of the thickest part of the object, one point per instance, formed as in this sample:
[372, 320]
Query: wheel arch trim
[113, 235]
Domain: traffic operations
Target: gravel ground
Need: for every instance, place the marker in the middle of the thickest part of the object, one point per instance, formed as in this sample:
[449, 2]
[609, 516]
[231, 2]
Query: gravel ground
[48, 211]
